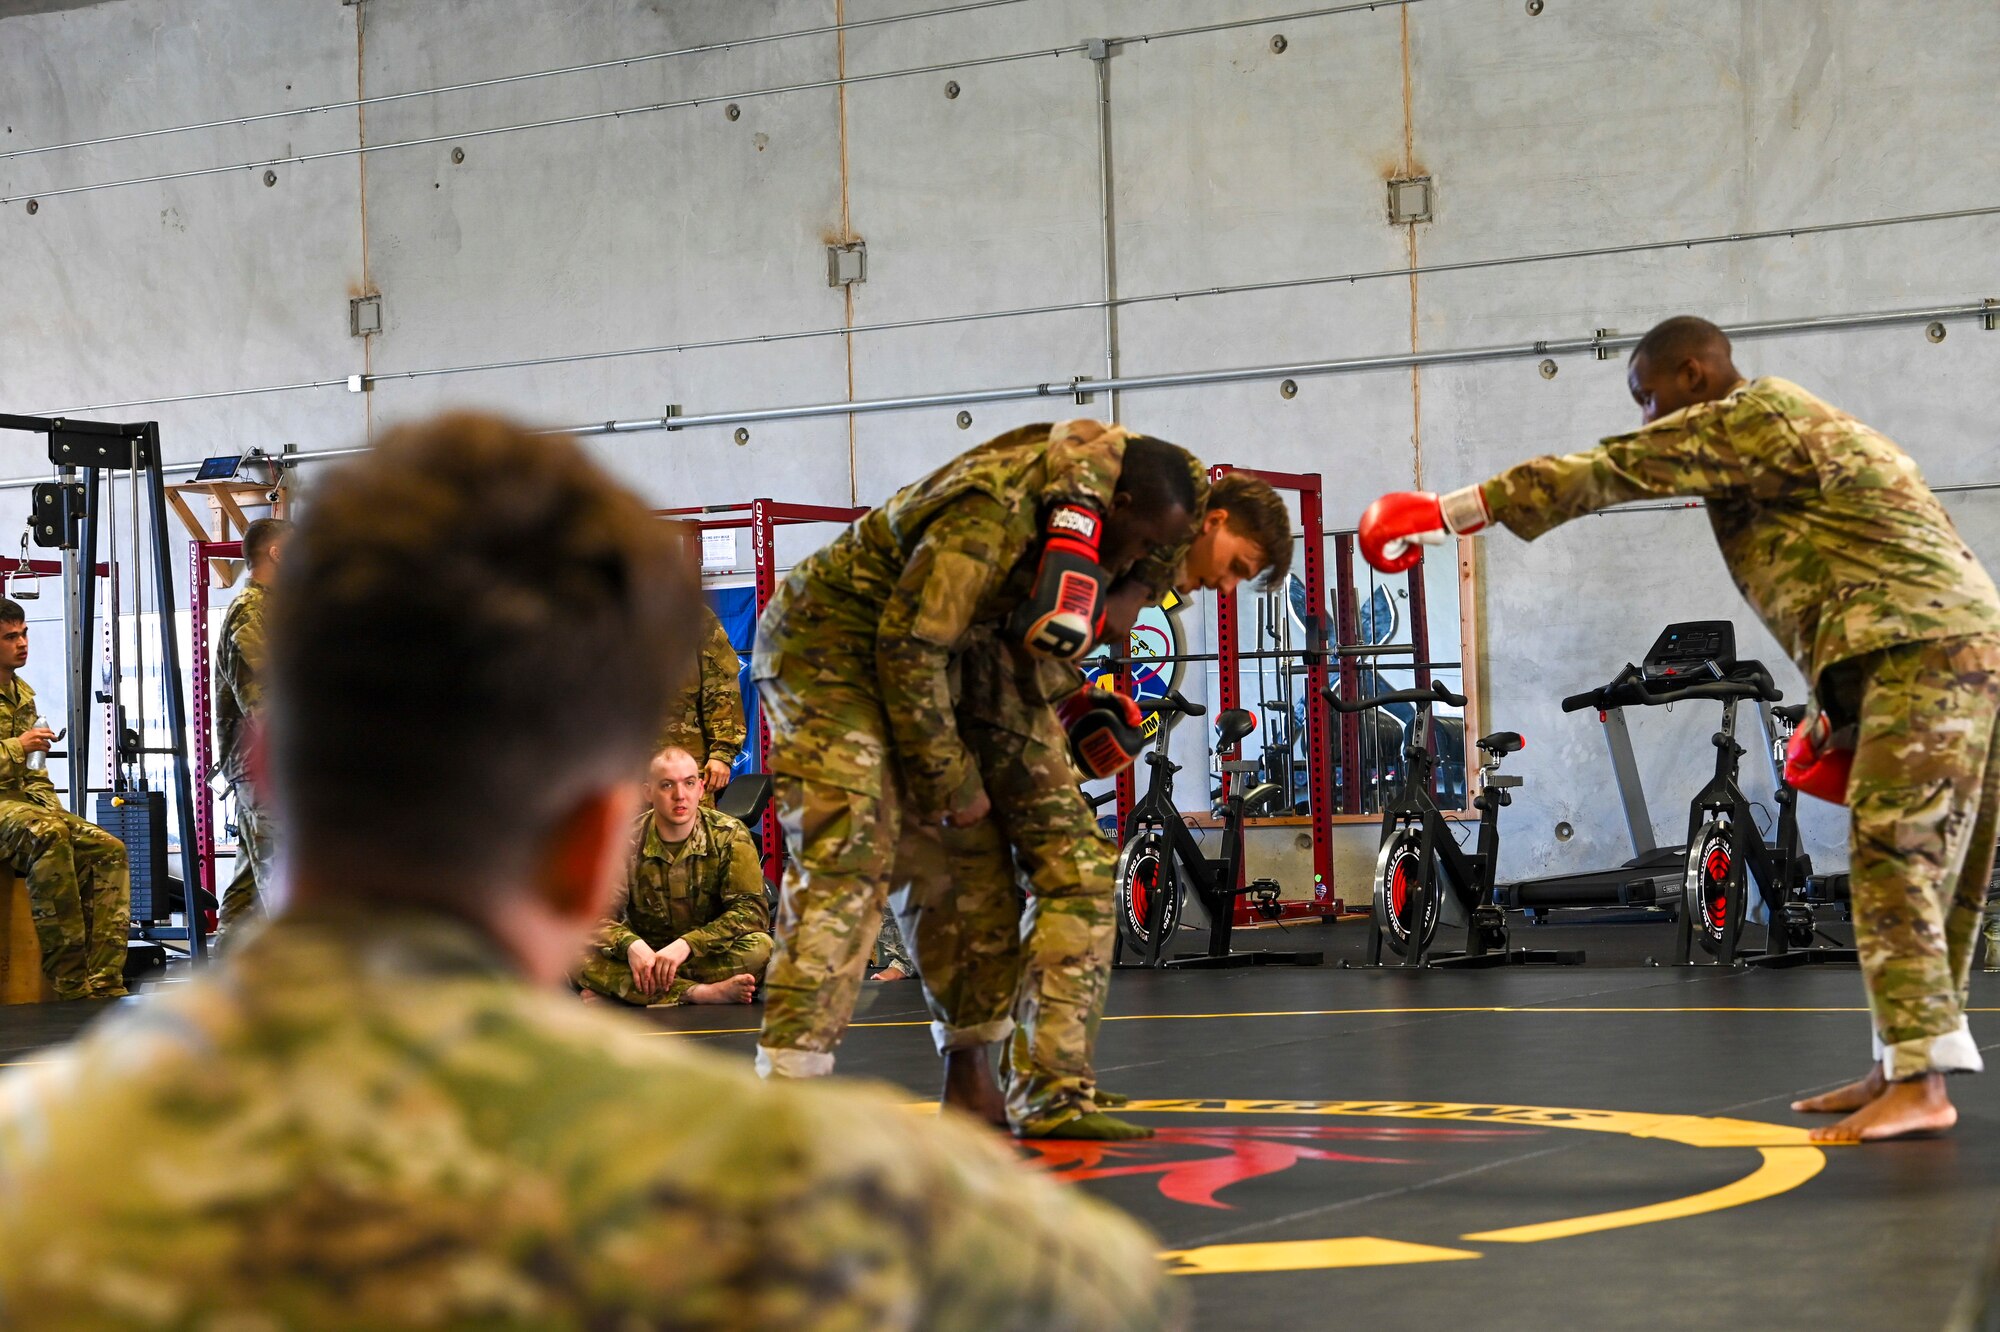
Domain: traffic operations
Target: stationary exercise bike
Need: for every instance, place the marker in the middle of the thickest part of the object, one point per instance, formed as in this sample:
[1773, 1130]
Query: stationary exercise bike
[1161, 858]
[1420, 860]
[1723, 843]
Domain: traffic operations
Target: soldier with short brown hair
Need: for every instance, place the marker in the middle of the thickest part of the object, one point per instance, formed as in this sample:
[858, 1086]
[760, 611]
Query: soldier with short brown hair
[1830, 532]
[383, 1110]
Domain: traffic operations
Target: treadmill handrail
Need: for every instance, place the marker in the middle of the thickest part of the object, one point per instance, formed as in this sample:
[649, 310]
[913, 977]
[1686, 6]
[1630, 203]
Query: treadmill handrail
[1630, 688]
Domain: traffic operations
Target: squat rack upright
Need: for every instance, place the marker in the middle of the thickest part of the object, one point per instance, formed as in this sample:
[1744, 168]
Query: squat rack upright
[66, 515]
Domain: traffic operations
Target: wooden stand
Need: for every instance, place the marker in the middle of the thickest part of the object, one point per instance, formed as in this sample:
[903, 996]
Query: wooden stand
[226, 502]
[21, 978]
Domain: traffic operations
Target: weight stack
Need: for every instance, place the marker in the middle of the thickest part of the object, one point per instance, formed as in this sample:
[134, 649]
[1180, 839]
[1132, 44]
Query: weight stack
[139, 819]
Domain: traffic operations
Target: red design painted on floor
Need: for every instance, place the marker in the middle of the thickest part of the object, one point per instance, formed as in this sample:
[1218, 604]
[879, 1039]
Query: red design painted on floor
[1239, 1152]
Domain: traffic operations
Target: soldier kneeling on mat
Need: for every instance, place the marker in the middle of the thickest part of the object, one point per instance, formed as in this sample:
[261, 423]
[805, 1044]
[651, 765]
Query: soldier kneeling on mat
[693, 925]
[382, 1110]
[79, 888]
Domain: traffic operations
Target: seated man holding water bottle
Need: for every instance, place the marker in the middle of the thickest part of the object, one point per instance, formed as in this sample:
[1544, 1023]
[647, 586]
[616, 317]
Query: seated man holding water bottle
[78, 884]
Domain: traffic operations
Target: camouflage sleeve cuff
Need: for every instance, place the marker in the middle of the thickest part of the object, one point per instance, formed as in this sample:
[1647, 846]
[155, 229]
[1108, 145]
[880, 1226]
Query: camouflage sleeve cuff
[618, 940]
[1520, 518]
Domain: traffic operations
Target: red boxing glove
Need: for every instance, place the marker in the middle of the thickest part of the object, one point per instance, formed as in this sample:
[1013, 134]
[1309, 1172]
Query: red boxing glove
[1818, 762]
[1062, 615]
[1396, 524]
[1106, 731]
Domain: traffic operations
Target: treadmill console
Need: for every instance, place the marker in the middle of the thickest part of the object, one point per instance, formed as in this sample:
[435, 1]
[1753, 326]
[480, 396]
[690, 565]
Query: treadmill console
[1693, 648]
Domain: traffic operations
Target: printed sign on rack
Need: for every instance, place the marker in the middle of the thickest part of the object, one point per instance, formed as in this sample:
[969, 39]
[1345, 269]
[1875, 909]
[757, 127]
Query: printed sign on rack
[718, 551]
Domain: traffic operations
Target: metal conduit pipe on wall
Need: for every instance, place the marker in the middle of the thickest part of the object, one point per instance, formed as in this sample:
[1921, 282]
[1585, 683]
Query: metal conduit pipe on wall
[1987, 312]
[1109, 304]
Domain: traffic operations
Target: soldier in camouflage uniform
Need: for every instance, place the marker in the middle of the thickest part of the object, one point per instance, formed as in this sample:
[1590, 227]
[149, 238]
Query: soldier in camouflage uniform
[1831, 533]
[382, 1111]
[79, 889]
[693, 925]
[852, 661]
[706, 715]
[239, 693]
[1040, 980]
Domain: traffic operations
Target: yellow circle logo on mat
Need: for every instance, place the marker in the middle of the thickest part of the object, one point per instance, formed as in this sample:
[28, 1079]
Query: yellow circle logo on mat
[1785, 1159]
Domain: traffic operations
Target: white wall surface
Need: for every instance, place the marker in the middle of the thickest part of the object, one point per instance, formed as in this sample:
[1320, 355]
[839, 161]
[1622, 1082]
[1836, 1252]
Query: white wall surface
[1599, 122]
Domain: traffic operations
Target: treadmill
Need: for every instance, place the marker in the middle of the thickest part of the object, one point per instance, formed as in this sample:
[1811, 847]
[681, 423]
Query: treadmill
[1686, 653]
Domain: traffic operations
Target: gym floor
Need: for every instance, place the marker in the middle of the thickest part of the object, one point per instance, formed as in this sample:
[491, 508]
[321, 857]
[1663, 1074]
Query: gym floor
[1606, 1145]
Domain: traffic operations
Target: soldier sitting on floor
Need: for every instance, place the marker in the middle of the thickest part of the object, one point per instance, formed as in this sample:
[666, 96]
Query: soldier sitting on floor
[693, 925]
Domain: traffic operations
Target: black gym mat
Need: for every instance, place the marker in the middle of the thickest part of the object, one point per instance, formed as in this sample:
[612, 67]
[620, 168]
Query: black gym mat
[1381, 1138]
[1382, 1117]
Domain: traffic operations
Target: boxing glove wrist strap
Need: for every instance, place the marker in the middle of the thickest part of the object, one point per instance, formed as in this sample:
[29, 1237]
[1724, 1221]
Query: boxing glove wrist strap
[1465, 510]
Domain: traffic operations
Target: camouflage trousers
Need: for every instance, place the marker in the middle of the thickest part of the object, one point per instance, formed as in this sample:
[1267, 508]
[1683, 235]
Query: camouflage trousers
[249, 894]
[1046, 961]
[742, 954]
[847, 847]
[1925, 796]
[79, 891]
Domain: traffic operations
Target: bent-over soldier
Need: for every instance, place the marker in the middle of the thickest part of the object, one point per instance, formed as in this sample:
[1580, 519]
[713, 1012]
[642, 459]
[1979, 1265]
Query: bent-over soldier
[980, 957]
[1022, 533]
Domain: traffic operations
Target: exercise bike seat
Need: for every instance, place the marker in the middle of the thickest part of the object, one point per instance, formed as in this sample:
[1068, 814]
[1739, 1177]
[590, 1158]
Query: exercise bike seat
[745, 798]
[1792, 715]
[1502, 743]
[1231, 726]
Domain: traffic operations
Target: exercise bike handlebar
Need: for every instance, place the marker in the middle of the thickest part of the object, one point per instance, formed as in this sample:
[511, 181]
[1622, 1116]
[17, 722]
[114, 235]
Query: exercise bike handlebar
[1632, 689]
[1423, 698]
[1172, 702]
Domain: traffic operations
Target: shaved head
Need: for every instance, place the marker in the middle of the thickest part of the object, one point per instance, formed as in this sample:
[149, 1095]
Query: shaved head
[1680, 362]
[1672, 341]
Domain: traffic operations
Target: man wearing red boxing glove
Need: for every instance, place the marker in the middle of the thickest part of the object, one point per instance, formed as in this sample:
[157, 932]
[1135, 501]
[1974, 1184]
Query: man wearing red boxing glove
[1016, 538]
[1038, 978]
[1854, 566]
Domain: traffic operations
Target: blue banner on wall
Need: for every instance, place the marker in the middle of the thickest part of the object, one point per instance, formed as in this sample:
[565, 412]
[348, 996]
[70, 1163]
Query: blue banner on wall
[736, 607]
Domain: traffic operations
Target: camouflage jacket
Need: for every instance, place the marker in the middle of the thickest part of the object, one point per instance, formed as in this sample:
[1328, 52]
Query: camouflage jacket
[361, 1120]
[708, 889]
[239, 690]
[705, 716]
[880, 610]
[1827, 527]
[18, 716]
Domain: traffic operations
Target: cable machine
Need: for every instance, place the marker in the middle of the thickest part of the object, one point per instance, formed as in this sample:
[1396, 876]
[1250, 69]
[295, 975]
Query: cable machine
[77, 517]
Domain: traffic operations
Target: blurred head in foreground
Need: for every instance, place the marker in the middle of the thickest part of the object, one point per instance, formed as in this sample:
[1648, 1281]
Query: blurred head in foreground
[474, 643]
